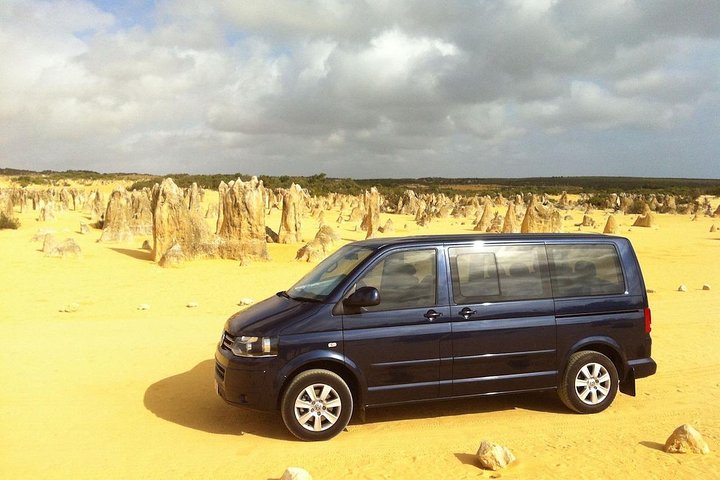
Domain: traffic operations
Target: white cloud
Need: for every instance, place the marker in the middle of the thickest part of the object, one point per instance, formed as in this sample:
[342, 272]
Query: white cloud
[661, 85]
[590, 106]
[54, 17]
[392, 57]
[299, 85]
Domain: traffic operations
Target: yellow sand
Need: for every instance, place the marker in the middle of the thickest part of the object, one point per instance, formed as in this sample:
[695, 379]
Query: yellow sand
[110, 391]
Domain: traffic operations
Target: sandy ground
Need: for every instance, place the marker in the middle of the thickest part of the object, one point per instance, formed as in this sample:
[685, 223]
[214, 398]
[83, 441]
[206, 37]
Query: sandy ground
[110, 391]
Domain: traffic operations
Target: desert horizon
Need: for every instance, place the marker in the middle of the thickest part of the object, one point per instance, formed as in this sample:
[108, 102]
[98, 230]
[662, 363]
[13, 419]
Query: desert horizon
[107, 357]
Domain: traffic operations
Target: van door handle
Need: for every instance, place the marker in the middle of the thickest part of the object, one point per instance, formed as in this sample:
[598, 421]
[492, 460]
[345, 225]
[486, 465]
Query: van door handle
[467, 313]
[432, 315]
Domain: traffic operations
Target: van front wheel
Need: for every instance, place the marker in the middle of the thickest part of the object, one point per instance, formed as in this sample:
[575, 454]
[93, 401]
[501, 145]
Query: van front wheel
[317, 405]
[590, 382]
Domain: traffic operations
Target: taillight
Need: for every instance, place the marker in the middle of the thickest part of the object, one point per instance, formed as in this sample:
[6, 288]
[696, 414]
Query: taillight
[648, 321]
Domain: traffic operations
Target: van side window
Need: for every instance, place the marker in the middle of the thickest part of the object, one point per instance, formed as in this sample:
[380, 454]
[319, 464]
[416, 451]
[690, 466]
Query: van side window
[579, 270]
[404, 279]
[499, 273]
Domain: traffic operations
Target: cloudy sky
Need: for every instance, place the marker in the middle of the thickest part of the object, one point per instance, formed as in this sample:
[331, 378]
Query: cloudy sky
[375, 88]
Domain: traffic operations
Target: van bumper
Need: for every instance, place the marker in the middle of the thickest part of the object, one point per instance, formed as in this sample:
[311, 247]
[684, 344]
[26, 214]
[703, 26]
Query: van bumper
[640, 368]
[643, 367]
[245, 382]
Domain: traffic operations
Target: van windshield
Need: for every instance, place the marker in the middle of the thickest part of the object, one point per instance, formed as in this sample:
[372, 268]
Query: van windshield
[322, 280]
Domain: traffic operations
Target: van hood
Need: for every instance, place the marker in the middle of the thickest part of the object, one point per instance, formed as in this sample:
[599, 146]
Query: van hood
[269, 317]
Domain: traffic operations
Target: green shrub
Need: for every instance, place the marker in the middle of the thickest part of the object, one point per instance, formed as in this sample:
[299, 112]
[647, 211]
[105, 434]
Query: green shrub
[638, 206]
[600, 200]
[8, 222]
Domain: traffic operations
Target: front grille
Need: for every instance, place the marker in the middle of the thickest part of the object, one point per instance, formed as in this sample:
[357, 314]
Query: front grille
[219, 372]
[227, 340]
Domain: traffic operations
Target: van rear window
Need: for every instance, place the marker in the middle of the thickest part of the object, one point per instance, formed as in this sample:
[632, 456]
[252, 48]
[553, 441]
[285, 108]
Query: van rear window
[581, 269]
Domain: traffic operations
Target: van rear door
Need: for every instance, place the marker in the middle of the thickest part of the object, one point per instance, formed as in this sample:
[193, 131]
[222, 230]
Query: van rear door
[503, 320]
[599, 299]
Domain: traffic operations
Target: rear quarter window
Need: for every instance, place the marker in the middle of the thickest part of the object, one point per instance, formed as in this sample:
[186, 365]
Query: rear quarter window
[498, 273]
[582, 269]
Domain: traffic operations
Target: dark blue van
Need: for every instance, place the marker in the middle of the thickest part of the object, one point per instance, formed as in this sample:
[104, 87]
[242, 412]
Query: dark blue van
[395, 320]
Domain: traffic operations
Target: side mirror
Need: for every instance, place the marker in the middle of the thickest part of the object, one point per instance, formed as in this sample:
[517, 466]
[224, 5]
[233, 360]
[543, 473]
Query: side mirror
[363, 297]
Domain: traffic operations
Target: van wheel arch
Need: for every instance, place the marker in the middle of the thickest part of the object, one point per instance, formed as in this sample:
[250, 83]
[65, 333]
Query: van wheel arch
[606, 349]
[337, 368]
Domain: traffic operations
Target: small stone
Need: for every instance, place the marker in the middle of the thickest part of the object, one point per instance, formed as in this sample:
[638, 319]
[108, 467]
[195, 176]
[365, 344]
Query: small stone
[174, 257]
[685, 439]
[146, 246]
[706, 286]
[42, 234]
[295, 473]
[312, 251]
[246, 301]
[143, 306]
[493, 456]
[49, 243]
[70, 248]
[682, 288]
[70, 307]
[192, 305]
[84, 228]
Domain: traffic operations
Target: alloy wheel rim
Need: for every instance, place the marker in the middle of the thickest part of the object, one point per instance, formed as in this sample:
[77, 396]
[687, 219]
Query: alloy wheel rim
[317, 407]
[592, 384]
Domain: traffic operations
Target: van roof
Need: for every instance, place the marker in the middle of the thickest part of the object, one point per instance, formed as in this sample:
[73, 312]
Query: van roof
[478, 237]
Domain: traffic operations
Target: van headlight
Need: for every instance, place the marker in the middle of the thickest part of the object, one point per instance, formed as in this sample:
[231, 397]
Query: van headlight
[244, 346]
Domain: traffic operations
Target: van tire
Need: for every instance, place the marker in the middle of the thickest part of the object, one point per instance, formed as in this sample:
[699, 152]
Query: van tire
[316, 405]
[590, 382]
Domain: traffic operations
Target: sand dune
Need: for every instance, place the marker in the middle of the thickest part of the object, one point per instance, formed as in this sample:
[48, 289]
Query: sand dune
[111, 391]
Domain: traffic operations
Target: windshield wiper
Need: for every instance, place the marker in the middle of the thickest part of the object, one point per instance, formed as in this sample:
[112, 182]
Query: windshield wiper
[299, 299]
[307, 299]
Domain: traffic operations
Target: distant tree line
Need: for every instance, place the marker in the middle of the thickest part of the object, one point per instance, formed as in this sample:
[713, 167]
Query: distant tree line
[392, 188]
[318, 184]
[51, 177]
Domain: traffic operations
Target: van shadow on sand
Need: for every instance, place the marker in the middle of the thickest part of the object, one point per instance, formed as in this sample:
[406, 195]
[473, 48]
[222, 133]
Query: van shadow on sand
[189, 399]
[544, 402]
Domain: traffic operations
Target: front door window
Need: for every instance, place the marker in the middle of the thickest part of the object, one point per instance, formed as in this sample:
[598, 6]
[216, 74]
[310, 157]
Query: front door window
[404, 279]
